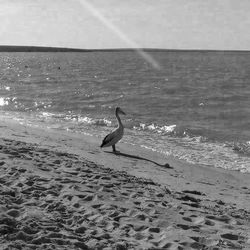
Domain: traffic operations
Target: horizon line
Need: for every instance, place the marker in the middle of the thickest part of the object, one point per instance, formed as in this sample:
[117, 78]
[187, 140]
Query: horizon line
[34, 48]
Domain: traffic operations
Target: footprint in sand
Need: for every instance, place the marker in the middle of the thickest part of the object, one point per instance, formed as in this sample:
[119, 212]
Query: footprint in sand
[77, 204]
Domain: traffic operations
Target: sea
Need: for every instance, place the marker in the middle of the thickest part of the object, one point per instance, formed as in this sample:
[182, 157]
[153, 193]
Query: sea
[192, 105]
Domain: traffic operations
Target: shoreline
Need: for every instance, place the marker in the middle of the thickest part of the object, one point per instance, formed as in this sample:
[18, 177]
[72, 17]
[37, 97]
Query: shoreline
[134, 160]
[188, 206]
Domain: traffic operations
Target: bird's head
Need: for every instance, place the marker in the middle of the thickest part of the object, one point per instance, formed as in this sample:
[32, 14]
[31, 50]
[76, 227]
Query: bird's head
[118, 110]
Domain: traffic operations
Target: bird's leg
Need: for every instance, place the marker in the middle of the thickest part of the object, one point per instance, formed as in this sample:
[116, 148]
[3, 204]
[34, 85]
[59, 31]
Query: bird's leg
[114, 150]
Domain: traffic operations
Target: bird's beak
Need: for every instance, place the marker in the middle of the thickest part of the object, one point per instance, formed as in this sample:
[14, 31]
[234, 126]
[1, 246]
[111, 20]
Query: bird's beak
[122, 112]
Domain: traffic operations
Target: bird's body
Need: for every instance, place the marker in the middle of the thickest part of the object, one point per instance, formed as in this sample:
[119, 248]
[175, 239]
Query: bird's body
[115, 136]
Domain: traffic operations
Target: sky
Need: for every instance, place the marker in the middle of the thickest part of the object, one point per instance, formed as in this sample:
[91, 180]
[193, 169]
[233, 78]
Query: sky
[102, 24]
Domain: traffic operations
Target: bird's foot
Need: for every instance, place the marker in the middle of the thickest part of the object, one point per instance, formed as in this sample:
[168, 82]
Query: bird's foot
[114, 150]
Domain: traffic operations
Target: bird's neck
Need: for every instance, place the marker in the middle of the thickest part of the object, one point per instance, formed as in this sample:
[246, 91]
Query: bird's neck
[119, 120]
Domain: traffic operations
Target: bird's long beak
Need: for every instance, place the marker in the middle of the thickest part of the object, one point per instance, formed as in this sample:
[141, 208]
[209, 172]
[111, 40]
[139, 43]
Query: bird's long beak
[122, 112]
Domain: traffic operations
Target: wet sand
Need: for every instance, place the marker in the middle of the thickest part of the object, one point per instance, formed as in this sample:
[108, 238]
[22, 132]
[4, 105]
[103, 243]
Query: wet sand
[61, 191]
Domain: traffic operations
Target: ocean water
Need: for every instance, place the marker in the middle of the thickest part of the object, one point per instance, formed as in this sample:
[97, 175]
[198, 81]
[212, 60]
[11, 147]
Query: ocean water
[195, 106]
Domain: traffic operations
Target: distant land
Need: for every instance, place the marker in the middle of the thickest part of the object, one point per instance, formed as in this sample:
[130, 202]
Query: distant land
[11, 48]
[7, 48]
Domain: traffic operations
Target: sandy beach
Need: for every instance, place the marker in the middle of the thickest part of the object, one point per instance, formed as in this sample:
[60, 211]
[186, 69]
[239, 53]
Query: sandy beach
[59, 190]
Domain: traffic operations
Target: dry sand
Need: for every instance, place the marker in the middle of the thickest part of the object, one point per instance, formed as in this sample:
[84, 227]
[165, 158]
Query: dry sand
[61, 191]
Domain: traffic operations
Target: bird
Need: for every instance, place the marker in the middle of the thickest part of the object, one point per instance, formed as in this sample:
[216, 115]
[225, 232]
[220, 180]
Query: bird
[115, 136]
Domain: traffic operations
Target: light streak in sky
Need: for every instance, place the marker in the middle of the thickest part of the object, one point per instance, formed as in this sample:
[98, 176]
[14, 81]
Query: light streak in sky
[95, 12]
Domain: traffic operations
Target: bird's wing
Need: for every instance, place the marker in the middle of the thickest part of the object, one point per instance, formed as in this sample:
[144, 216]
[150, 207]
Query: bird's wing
[108, 138]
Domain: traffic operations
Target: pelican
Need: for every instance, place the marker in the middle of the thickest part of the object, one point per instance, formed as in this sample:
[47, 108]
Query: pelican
[115, 136]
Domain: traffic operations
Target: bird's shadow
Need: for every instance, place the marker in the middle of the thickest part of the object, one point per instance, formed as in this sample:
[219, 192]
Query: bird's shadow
[166, 165]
